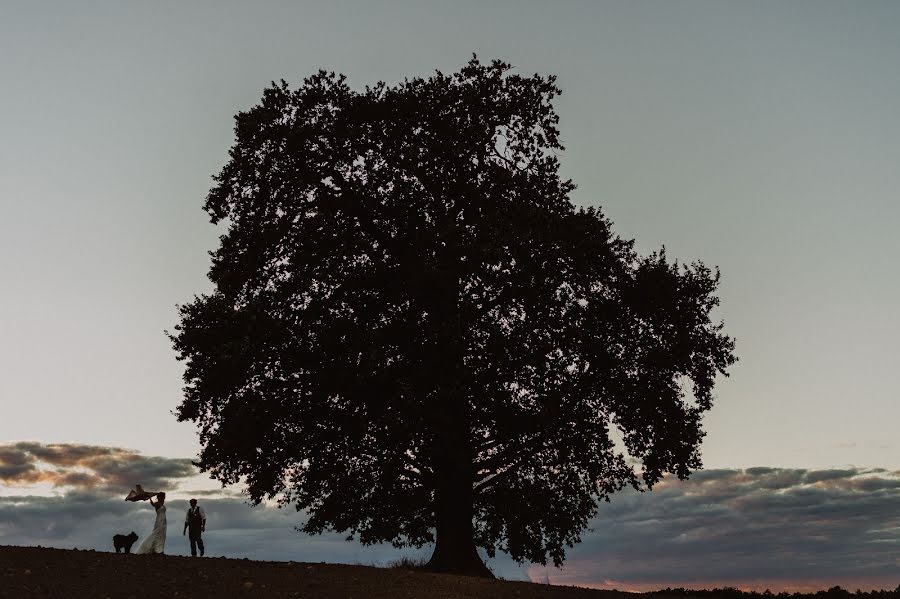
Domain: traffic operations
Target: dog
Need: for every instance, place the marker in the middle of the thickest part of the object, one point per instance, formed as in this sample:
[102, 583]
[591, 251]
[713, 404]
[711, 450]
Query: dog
[124, 542]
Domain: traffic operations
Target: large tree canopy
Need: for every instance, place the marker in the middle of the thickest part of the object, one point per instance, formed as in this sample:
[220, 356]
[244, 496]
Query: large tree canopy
[414, 335]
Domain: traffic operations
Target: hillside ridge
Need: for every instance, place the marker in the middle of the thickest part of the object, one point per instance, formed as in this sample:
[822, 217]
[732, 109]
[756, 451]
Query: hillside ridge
[39, 572]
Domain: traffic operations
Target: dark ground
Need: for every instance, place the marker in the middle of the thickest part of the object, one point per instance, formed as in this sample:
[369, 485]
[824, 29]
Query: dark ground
[27, 572]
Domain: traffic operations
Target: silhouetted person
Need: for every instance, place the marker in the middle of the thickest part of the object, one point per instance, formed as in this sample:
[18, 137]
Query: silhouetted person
[195, 524]
[156, 540]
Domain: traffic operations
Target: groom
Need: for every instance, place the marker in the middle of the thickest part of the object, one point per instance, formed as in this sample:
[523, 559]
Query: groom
[195, 524]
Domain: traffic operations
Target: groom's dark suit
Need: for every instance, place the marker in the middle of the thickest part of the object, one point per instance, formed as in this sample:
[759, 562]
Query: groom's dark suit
[195, 523]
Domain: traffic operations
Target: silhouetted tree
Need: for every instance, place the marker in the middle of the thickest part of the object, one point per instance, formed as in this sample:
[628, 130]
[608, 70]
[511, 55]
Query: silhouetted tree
[416, 337]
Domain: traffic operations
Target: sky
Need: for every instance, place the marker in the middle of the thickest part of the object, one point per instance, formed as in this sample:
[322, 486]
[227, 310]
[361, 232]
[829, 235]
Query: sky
[760, 137]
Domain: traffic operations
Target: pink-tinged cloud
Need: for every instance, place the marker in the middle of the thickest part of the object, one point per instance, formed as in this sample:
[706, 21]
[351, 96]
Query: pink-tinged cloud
[759, 528]
[87, 466]
[537, 574]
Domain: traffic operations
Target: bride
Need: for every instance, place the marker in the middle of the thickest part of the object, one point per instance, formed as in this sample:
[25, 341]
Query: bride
[155, 542]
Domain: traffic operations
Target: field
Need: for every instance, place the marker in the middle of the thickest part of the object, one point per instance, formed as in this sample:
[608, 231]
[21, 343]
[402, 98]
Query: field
[27, 572]
[35, 572]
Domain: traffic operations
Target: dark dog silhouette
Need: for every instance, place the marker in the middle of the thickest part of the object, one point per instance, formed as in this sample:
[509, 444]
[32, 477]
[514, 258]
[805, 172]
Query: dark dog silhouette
[124, 541]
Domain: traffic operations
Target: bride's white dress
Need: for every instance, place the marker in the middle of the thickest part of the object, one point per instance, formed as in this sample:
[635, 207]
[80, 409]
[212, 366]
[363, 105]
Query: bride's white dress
[155, 542]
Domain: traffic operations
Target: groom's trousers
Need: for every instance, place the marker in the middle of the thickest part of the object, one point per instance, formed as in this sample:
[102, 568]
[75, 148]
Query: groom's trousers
[196, 541]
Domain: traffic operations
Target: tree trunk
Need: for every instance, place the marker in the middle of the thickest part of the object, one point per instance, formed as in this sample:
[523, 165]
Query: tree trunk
[454, 498]
[455, 551]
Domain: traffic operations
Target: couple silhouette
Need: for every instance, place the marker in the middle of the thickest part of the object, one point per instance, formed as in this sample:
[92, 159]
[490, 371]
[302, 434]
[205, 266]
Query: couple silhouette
[194, 523]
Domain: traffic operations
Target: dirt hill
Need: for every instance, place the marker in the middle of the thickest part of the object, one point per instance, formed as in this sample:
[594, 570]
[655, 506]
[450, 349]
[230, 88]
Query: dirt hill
[27, 572]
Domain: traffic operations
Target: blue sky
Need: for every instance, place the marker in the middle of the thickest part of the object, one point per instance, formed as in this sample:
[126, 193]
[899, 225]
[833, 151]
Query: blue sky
[761, 137]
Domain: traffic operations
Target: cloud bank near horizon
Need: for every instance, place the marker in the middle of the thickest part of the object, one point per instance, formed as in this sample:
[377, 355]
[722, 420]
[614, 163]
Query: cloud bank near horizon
[88, 467]
[757, 528]
[776, 528]
[71, 496]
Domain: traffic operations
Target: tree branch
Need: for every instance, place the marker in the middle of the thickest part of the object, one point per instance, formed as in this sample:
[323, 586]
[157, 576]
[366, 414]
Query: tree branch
[493, 478]
[509, 457]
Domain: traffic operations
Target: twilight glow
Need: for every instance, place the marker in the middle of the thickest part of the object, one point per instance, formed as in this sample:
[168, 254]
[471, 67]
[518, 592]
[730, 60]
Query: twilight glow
[759, 137]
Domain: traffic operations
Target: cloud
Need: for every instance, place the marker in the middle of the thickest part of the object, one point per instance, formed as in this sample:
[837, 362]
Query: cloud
[776, 528]
[88, 467]
[87, 508]
[88, 520]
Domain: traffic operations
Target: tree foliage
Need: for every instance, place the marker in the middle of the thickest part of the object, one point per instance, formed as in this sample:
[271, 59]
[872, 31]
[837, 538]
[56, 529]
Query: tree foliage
[413, 326]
